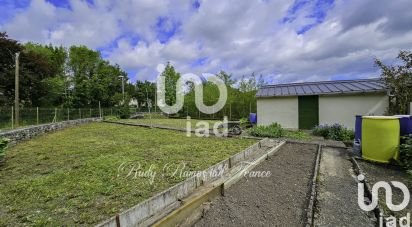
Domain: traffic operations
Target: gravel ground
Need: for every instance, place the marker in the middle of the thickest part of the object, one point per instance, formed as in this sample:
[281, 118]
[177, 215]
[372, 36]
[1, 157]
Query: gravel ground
[381, 172]
[278, 200]
[337, 203]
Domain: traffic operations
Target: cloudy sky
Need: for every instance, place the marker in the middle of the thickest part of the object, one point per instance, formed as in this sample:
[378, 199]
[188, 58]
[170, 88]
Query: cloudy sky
[286, 41]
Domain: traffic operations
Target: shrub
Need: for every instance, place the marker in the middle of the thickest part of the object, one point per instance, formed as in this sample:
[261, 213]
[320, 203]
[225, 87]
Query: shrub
[4, 142]
[111, 118]
[124, 112]
[334, 132]
[273, 130]
[243, 121]
[405, 153]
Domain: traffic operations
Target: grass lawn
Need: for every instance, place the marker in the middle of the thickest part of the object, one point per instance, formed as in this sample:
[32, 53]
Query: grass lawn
[170, 122]
[71, 177]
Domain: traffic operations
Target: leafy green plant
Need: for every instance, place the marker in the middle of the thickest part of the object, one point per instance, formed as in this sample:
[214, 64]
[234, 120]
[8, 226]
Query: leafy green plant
[4, 142]
[405, 153]
[243, 121]
[334, 132]
[273, 130]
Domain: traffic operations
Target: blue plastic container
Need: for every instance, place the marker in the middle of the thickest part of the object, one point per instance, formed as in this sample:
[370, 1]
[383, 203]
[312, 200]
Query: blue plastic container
[358, 128]
[253, 118]
[406, 124]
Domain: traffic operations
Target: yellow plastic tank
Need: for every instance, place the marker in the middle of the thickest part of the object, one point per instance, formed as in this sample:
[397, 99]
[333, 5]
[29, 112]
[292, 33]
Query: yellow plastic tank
[380, 138]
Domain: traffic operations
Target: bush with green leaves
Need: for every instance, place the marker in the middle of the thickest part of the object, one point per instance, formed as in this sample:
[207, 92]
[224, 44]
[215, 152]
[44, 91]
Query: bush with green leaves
[405, 153]
[334, 132]
[273, 130]
[111, 118]
[4, 142]
[124, 112]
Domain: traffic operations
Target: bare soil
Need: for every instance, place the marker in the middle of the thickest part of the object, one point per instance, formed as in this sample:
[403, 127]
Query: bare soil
[278, 200]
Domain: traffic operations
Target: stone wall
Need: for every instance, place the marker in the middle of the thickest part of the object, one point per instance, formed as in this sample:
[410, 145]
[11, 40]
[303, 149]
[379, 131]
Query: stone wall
[26, 133]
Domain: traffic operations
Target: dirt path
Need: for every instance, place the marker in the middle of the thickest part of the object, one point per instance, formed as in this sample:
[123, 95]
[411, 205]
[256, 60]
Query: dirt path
[336, 203]
[278, 200]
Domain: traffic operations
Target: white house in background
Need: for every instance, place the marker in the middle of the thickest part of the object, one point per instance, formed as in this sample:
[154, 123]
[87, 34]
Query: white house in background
[305, 105]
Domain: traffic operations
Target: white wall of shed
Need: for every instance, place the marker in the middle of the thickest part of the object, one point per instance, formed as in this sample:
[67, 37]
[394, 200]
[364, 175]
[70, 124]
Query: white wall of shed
[342, 109]
[283, 110]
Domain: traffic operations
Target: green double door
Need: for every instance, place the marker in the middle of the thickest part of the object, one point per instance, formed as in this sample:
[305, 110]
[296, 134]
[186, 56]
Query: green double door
[308, 111]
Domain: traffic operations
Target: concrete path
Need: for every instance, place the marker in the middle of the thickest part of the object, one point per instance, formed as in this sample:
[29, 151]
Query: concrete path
[337, 203]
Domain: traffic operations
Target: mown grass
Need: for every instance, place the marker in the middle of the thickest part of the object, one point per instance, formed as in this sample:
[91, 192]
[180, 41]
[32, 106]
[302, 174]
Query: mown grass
[170, 122]
[298, 135]
[71, 177]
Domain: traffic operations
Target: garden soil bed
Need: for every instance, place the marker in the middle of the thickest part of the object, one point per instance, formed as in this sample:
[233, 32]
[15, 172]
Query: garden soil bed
[375, 172]
[280, 199]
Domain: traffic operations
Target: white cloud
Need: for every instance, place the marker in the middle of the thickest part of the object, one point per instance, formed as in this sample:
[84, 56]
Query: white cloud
[239, 36]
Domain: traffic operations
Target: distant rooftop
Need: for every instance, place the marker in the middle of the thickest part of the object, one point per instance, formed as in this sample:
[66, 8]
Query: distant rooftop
[323, 88]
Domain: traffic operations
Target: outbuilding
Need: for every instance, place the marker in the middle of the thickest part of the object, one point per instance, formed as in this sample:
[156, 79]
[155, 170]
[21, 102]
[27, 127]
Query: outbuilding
[305, 105]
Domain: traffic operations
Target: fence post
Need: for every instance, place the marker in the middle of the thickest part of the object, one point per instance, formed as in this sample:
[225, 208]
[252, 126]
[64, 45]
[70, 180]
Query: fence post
[155, 101]
[55, 115]
[37, 115]
[230, 111]
[90, 112]
[80, 114]
[111, 111]
[213, 115]
[12, 118]
[68, 114]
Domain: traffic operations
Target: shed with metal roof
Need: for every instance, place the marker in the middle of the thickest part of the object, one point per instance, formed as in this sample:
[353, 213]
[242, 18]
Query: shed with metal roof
[305, 105]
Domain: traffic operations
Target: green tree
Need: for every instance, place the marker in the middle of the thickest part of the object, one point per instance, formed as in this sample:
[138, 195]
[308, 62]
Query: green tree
[227, 78]
[142, 95]
[35, 67]
[398, 79]
[171, 78]
[83, 64]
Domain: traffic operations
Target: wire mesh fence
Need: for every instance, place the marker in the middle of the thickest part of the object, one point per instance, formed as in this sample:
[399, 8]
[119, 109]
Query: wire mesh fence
[38, 115]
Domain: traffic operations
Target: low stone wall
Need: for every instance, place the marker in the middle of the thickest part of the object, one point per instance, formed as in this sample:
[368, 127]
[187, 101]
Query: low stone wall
[26, 133]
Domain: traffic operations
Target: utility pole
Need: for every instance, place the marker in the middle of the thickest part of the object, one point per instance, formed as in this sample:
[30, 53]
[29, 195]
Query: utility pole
[123, 88]
[16, 91]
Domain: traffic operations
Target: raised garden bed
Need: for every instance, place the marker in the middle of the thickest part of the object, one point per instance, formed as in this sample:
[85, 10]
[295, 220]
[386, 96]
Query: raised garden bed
[280, 200]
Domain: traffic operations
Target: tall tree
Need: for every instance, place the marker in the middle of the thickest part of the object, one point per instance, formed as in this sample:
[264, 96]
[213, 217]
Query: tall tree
[34, 68]
[83, 64]
[171, 78]
[227, 78]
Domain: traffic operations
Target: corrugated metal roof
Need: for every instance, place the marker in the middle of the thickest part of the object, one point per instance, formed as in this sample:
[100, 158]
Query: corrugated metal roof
[323, 88]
